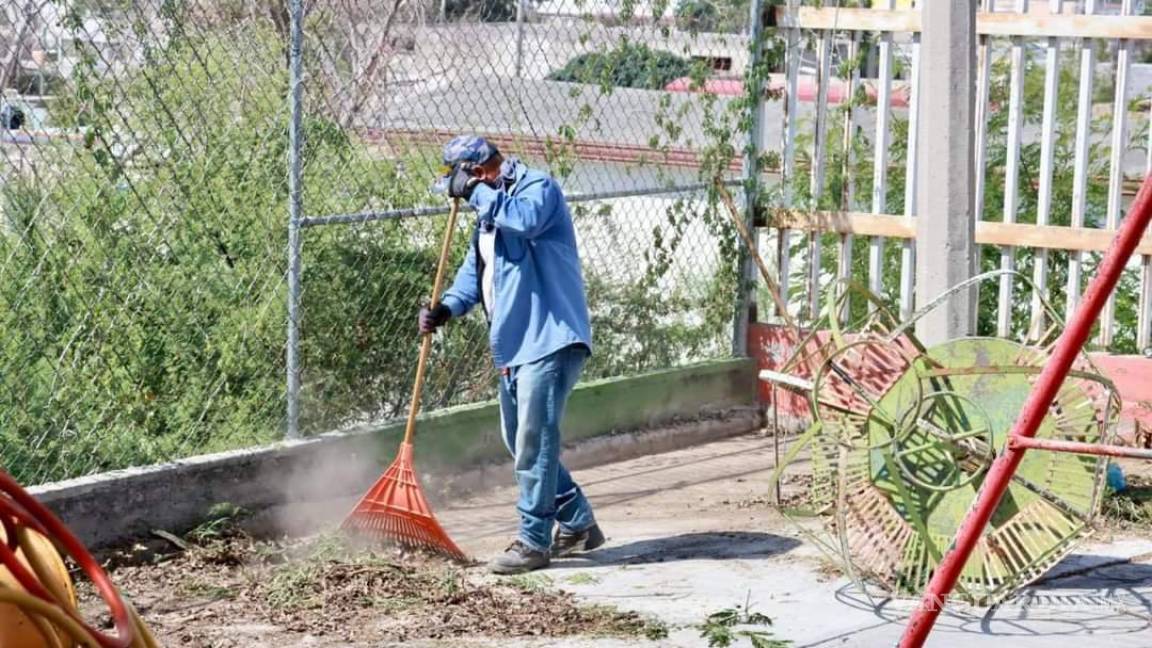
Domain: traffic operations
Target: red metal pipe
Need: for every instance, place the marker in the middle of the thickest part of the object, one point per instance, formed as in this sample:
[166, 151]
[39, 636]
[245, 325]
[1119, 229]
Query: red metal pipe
[1057, 445]
[1035, 408]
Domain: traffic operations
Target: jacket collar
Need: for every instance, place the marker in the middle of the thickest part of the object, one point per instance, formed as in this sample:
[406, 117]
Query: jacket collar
[511, 172]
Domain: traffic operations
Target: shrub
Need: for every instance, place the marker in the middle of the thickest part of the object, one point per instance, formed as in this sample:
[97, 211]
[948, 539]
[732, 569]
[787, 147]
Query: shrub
[142, 292]
[628, 66]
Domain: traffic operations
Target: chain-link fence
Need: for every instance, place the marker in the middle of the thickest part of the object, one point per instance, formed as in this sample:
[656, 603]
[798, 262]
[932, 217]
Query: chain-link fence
[147, 168]
[585, 100]
[142, 189]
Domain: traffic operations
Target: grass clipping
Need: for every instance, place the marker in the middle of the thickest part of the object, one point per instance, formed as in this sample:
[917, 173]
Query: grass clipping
[1130, 509]
[325, 587]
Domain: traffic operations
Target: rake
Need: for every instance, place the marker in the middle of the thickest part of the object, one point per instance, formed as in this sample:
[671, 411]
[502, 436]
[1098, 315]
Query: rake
[395, 509]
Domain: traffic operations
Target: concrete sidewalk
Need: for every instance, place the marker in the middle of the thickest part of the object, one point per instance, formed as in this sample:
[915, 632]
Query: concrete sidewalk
[692, 532]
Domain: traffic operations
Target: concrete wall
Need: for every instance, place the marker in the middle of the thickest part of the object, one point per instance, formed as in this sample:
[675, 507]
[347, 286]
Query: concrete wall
[325, 471]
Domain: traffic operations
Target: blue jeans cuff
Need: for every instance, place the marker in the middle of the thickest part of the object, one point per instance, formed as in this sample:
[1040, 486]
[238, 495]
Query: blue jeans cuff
[534, 546]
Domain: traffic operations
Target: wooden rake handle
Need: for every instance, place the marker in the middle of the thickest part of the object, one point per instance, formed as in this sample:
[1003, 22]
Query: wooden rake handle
[750, 243]
[426, 344]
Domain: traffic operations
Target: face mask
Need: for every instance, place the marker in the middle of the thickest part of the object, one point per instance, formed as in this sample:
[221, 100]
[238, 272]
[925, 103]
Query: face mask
[508, 171]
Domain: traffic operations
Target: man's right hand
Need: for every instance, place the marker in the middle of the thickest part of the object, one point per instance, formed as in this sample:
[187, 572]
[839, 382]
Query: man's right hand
[433, 318]
[462, 181]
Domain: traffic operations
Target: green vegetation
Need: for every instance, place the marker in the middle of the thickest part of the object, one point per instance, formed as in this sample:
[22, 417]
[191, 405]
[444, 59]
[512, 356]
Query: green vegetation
[630, 65]
[583, 578]
[222, 521]
[728, 16]
[531, 582]
[482, 10]
[1132, 507]
[142, 293]
[720, 628]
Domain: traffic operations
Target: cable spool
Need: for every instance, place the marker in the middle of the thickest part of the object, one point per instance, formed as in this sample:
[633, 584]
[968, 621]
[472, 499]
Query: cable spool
[904, 434]
[17, 629]
[38, 591]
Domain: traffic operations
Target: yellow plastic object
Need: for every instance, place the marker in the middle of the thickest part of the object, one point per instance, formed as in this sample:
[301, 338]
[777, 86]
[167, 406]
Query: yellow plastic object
[17, 630]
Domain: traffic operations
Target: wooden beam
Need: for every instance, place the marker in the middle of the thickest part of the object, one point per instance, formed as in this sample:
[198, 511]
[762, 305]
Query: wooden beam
[857, 223]
[849, 19]
[1065, 26]
[1023, 235]
[988, 24]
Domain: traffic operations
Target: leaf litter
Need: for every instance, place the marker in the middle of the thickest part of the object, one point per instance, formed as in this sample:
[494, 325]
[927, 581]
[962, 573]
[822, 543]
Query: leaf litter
[233, 590]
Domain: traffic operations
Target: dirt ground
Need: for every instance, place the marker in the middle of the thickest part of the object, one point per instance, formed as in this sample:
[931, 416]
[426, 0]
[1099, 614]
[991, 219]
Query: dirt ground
[691, 534]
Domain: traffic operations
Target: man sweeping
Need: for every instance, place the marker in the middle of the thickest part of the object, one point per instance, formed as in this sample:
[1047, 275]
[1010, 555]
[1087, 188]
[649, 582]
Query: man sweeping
[523, 269]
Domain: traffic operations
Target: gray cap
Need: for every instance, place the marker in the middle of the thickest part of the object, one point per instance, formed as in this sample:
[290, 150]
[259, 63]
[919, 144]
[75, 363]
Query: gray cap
[463, 148]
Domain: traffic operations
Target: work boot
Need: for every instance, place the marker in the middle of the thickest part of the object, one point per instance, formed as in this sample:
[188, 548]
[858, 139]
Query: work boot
[517, 559]
[567, 544]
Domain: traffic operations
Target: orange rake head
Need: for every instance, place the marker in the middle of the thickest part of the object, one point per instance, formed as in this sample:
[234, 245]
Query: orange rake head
[395, 510]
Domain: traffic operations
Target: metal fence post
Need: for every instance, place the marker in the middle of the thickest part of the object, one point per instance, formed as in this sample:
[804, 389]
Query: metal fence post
[520, 38]
[295, 96]
[746, 289]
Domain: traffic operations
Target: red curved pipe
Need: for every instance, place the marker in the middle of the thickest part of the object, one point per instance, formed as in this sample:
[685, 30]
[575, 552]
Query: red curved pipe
[27, 512]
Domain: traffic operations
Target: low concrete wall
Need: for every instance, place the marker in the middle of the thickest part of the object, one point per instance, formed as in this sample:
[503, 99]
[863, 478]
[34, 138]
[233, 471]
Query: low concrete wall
[449, 443]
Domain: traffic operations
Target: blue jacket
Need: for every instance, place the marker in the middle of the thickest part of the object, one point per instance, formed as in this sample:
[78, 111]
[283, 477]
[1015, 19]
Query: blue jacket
[537, 283]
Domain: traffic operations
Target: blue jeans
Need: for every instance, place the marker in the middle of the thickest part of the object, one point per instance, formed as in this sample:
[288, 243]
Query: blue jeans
[532, 400]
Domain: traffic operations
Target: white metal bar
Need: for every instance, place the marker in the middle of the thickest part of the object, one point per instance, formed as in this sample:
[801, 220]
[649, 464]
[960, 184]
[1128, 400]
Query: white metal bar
[983, 83]
[819, 148]
[844, 271]
[1012, 175]
[850, 123]
[1044, 197]
[908, 248]
[1116, 167]
[784, 265]
[788, 164]
[1080, 163]
[1144, 320]
[769, 376]
[880, 157]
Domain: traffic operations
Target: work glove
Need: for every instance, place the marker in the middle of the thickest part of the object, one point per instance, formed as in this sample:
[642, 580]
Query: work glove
[461, 183]
[433, 318]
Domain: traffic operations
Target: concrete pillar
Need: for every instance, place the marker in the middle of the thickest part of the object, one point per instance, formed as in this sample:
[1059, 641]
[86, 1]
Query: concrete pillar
[945, 224]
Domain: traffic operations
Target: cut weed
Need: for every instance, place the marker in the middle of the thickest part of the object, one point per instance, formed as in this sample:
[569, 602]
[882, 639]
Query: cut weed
[583, 578]
[1132, 507]
[720, 628]
[534, 582]
[222, 521]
